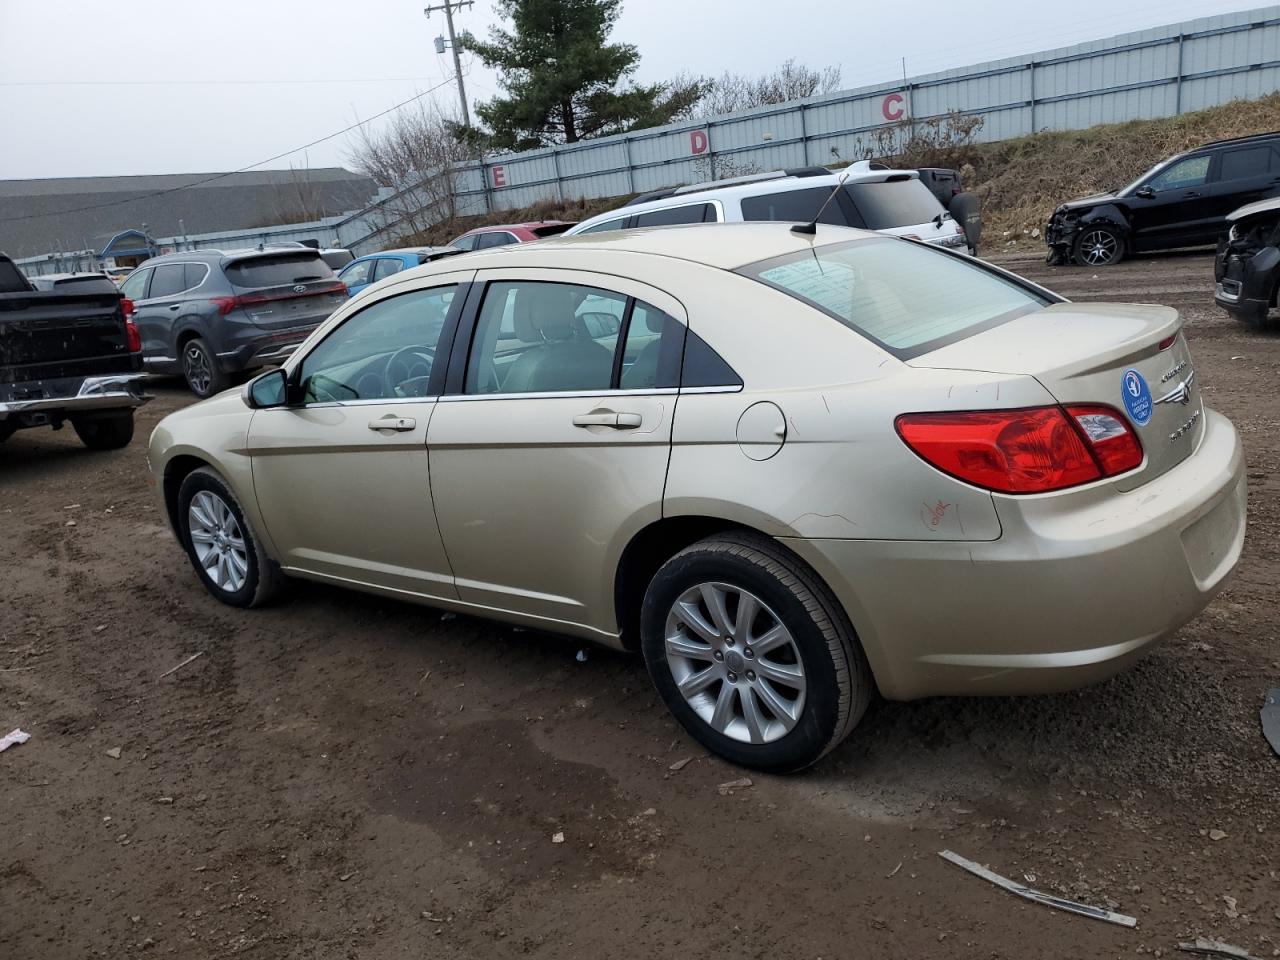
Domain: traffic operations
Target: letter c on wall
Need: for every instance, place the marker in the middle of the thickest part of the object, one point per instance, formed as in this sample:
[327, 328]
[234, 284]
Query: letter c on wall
[892, 107]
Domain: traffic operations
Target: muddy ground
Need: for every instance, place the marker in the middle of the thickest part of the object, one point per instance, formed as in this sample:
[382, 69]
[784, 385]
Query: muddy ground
[344, 776]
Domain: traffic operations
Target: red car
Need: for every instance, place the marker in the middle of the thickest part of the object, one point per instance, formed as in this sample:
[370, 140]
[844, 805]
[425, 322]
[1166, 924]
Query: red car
[500, 235]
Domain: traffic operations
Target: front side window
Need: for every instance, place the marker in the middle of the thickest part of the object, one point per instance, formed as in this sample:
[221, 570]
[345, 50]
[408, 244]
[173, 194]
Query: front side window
[1191, 172]
[464, 243]
[357, 273]
[693, 213]
[905, 297]
[135, 287]
[606, 225]
[385, 352]
[538, 337]
[170, 278]
[386, 267]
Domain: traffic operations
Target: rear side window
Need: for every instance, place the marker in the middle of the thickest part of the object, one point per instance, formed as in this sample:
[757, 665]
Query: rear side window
[901, 295]
[386, 267]
[193, 275]
[169, 279]
[894, 203]
[799, 206]
[694, 213]
[1245, 163]
[277, 270]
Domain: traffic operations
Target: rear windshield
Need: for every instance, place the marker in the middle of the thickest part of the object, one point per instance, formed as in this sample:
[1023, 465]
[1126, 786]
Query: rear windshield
[894, 203]
[278, 269]
[904, 296]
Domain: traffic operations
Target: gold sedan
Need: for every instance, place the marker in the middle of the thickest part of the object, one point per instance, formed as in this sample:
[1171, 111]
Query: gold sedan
[792, 469]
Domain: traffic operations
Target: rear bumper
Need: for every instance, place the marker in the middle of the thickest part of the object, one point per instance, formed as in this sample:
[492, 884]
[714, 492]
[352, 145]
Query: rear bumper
[56, 399]
[255, 347]
[1074, 590]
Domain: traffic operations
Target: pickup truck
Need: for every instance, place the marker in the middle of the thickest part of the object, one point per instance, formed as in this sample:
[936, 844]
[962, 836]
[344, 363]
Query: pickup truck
[69, 352]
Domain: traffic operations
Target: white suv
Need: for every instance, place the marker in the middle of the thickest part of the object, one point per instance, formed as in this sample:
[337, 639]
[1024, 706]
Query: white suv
[873, 198]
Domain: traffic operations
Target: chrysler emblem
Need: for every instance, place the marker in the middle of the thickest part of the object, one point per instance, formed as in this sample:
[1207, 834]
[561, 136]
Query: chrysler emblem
[1181, 393]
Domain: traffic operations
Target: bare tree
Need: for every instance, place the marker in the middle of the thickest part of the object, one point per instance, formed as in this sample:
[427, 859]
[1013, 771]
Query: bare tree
[791, 81]
[417, 155]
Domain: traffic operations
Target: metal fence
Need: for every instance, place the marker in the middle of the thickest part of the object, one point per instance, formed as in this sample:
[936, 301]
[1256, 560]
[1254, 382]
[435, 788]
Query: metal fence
[1151, 73]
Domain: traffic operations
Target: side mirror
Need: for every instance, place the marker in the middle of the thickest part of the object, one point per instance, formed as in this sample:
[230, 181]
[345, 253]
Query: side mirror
[1146, 193]
[270, 389]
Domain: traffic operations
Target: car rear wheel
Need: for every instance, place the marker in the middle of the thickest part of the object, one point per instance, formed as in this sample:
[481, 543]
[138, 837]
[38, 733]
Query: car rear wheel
[227, 557]
[105, 431]
[1099, 247]
[752, 654]
[200, 367]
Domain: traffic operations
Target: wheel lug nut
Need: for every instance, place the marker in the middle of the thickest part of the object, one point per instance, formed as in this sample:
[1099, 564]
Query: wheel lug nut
[751, 675]
[733, 678]
[718, 655]
[729, 642]
[746, 652]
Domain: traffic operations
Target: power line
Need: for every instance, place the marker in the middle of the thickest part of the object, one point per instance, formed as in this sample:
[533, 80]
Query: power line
[195, 83]
[231, 173]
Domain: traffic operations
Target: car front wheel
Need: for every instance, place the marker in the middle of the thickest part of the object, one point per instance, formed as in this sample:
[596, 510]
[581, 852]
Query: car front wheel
[752, 654]
[1099, 247]
[227, 557]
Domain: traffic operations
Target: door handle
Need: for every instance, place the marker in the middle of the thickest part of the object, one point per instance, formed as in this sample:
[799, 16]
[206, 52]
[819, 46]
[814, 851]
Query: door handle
[1191, 193]
[176, 306]
[390, 422]
[608, 418]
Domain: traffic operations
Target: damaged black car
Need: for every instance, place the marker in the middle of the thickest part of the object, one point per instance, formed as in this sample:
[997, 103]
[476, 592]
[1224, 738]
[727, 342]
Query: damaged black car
[1247, 267]
[1180, 202]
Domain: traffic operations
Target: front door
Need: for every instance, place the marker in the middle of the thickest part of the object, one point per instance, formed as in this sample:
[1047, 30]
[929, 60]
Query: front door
[342, 475]
[1181, 208]
[551, 452]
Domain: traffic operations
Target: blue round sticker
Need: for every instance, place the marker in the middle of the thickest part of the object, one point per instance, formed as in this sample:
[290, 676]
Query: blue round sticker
[1137, 397]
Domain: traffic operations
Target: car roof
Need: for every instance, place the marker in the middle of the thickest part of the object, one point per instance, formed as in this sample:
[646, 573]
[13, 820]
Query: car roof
[755, 186]
[731, 246]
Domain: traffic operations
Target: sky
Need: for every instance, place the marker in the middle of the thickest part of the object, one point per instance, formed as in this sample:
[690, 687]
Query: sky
[95, 88]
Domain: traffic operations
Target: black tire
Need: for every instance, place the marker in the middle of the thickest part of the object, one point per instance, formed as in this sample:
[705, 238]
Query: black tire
[262, 578]
[1098, 245]
[200, 368]
[839, 685]
[105, 431]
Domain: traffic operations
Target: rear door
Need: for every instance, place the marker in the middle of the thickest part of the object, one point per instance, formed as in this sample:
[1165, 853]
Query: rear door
[549, 450]
[1245, 174]
[156, 314]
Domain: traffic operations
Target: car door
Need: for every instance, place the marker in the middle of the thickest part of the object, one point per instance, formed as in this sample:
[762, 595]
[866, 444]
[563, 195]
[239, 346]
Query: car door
[357, 275]
[1245, 174]
[549, 449]
[1175, 206]
[342, 473]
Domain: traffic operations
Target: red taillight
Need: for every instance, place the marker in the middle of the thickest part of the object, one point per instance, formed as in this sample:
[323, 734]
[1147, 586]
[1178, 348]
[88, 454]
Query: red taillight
[1110, 438]
[1024, 451]
[225, 304]
[126, 306]
[1167, 342]
[131, 335]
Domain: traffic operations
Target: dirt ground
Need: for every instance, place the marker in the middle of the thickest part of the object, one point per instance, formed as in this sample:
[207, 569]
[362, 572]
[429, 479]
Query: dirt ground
[345, 776]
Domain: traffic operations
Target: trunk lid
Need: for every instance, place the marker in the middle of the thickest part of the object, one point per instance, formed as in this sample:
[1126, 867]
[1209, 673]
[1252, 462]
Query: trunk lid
[1100, 353]
[283, 289]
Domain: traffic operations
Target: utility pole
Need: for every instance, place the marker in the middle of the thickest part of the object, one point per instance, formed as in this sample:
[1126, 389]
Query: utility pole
[448, 6]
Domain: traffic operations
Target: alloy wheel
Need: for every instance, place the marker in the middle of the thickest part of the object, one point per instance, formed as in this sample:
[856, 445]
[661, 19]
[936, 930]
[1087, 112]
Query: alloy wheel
[195, 365]
[1099, 248]
[218, 541]
[735, 663]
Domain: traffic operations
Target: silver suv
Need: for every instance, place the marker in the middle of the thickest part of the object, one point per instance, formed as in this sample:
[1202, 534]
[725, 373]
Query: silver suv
[873, 197]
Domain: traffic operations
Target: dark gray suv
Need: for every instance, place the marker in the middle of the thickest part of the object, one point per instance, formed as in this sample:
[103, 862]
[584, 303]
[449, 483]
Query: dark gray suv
[209, 314]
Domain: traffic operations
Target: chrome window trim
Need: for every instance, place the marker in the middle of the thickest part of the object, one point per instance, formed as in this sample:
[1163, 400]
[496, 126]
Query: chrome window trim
[551, 394]
[373, 401]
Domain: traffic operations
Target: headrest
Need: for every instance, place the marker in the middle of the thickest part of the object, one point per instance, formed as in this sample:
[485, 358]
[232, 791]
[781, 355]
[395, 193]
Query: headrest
[653, 319]
[544, 311]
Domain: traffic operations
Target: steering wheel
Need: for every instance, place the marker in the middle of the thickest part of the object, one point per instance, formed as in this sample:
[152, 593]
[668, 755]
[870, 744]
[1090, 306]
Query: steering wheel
[408, 370]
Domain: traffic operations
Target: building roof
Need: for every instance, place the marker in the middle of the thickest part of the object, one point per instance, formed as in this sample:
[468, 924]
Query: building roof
[52, 213]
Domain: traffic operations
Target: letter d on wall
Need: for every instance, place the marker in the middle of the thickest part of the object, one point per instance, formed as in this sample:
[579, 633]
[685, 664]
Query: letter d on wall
[697, 142]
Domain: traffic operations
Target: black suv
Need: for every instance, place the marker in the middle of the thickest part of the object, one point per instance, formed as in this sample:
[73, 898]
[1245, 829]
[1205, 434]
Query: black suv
[208, 314]
[1180, 202]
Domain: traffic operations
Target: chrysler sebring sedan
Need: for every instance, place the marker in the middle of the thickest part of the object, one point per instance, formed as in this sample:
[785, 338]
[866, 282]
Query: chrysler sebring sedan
[792, 470]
